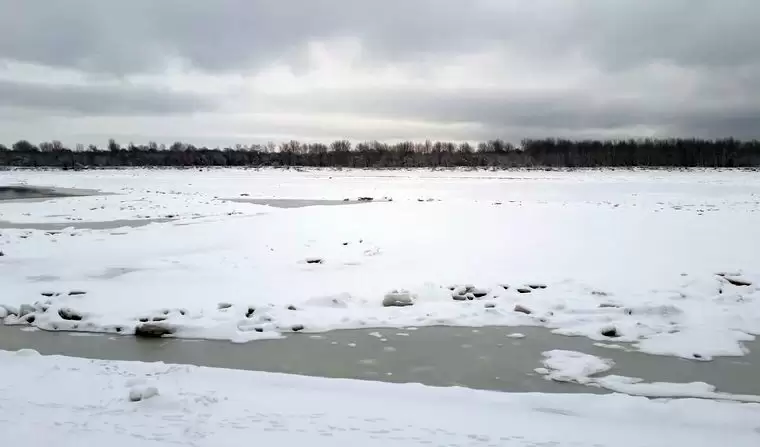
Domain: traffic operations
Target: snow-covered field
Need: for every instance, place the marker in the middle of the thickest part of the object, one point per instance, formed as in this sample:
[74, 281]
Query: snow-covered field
[625, 257]
[66, 401]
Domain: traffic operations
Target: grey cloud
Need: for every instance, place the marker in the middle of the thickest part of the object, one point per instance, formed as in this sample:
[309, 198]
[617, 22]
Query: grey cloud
[567, 112]
[624, 33]
[741, 124]
[99, 100]
[716, 40]
[135, 36]
[124, 37]
[139, 35]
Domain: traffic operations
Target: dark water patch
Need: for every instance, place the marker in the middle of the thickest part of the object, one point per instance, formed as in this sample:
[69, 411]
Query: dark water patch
[43, 278]
[483, 358]
[80, 225]
[20, 192]
[298, 203]
[114, 272]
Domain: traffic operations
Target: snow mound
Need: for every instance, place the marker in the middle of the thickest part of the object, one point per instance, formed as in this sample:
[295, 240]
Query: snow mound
[138, 393]
[571, 366]
[27, 353]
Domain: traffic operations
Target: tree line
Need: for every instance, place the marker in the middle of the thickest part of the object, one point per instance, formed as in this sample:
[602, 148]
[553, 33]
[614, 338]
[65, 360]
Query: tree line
[547, 152]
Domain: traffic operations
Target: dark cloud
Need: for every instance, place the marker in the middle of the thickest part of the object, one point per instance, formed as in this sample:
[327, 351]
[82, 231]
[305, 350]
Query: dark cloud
[574, 111]
[625, 33]
[99, 100]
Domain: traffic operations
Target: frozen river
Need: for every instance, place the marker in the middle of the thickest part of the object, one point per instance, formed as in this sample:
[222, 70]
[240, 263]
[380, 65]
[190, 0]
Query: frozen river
[651, 262]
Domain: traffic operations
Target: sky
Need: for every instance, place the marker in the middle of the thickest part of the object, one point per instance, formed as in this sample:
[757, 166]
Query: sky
[221, 72]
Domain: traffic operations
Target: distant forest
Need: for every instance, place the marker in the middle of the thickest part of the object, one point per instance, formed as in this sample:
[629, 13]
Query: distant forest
[497, 153]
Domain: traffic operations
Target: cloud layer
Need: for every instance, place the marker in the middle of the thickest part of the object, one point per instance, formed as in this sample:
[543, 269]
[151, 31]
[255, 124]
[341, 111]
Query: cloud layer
[313, 69]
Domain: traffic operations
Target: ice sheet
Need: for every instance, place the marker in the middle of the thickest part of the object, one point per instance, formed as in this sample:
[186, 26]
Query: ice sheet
[624, 257]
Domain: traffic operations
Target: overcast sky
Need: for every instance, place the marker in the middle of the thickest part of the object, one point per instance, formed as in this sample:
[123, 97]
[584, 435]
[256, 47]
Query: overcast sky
[250, 71]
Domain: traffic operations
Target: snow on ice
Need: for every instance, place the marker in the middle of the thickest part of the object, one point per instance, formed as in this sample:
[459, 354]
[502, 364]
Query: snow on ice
[570, 366]
[567, 366]
[663, 262]
[73, 402]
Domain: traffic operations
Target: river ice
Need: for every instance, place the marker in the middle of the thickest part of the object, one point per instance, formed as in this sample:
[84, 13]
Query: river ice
[663, 262]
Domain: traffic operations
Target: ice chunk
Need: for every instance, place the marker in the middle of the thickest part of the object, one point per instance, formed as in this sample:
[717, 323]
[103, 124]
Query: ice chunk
[138, 393]
[572, 366]
[398, 298]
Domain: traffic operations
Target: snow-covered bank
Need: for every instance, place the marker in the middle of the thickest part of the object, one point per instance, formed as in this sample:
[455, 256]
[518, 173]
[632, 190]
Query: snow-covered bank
[623, 257]
[73, 402]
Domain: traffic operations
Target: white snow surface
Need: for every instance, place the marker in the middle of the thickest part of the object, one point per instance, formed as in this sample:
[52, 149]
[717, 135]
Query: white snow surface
[585, 369]
[634, 251]
[67, 401]
[572, 366]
